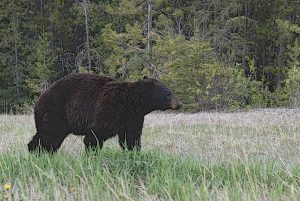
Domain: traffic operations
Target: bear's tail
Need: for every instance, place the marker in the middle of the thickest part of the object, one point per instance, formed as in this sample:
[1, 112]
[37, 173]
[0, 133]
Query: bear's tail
[34, 143]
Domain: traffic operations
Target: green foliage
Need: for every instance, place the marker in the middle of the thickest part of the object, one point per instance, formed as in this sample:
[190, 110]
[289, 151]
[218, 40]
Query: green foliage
[294, 53]
[294, 49]
[223, 87]
[13, 52]
[198, 47]
[182, 63]
[126, 56]
[200, 81]
[41, 61]
[292, 87]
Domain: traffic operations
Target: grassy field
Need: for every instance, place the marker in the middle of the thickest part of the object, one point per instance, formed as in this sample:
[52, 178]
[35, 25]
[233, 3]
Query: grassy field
[251, 155]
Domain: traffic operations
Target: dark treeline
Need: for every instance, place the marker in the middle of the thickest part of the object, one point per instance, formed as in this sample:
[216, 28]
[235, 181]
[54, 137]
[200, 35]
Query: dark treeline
[214, 54]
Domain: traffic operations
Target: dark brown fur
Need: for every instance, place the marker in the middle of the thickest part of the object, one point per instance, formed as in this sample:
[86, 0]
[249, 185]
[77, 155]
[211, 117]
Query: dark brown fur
[98, 108]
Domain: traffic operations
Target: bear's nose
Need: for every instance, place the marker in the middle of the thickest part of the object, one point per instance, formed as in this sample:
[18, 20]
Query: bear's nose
[176, 104]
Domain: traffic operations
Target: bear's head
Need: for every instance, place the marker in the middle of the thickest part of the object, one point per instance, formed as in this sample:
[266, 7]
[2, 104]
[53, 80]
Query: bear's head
[158, 95]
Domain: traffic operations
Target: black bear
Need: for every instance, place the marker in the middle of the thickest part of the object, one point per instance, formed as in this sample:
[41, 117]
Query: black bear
[98, 108]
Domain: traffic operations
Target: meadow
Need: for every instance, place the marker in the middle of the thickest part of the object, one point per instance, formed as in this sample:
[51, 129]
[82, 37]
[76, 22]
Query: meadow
[250, 155]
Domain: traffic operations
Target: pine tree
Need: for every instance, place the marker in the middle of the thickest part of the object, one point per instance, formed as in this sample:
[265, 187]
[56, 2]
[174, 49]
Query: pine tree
[41, 61]
[13, 53]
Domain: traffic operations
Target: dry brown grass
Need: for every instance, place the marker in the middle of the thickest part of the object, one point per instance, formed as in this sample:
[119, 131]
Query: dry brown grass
[210, 137]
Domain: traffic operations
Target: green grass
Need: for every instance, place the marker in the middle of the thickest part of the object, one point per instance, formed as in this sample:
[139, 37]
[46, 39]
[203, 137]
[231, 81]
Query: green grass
[115, 175]
[252, 155]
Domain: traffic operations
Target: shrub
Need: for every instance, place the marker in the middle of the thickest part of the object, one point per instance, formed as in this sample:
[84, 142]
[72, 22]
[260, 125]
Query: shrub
[292, 87]
[202, 82]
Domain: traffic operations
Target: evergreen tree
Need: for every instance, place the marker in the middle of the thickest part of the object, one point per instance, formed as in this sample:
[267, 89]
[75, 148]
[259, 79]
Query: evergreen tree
[13, 29]
[41, 62]
[257, 42]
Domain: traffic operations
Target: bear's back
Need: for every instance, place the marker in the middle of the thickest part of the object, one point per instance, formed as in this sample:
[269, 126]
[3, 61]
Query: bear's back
[72, 97]
[64, 89]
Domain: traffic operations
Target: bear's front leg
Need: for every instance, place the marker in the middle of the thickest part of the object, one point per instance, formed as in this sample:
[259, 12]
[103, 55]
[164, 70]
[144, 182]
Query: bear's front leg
[96, 134]
[92, 142]
[130, 135]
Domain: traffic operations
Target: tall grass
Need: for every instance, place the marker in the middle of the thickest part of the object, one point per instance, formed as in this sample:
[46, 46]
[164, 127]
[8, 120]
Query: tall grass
[115, 175]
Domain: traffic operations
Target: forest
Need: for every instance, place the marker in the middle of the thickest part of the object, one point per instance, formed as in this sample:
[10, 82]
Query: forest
[214, 54]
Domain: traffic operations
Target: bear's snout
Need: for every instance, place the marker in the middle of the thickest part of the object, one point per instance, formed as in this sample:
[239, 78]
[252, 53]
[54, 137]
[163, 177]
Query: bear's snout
[175, 104]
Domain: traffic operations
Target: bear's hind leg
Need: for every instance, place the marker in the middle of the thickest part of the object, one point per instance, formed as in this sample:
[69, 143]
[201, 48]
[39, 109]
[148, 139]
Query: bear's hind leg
[52, 129]
[50, 142]
[53, 134]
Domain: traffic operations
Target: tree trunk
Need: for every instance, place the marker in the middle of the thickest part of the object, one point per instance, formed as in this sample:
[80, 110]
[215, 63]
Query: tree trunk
[149, 43]
[244, 59]
[85, 7]
[15, 67]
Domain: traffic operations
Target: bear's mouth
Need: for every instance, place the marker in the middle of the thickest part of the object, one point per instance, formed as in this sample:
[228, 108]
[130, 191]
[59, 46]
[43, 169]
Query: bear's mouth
[175, 104]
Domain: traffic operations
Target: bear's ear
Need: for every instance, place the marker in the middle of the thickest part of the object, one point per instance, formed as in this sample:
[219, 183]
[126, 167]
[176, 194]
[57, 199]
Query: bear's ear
[145, 77]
